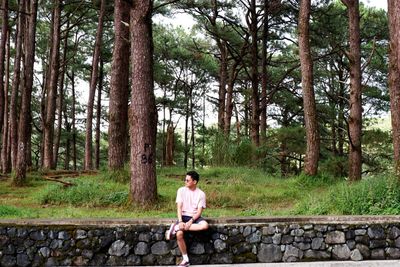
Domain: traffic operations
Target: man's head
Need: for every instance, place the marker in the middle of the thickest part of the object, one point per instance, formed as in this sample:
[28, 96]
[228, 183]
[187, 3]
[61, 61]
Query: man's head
[194, 176]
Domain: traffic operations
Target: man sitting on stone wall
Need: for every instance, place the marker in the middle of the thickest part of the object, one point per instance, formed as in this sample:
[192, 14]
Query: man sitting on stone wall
[190, 202]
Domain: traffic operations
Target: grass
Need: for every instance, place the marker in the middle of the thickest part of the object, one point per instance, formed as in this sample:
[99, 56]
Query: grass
[231, 192]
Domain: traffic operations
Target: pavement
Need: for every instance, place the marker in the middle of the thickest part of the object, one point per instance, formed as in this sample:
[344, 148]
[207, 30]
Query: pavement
[372, 263]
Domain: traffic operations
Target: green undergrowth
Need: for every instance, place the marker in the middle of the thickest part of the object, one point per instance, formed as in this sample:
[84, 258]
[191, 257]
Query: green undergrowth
[376, 195]
[231, 192]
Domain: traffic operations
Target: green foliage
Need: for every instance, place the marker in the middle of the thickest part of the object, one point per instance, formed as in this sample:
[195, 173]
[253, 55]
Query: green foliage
[336, 166]
[371, 196]
[7, 211]
[87, 192]
[120, 175]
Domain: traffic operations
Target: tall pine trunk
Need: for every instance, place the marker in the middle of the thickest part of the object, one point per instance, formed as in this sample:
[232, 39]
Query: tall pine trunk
[255, 98]
[25, 112]
[51, 88]
[394, 77]
[92, 89]
[119, 91]
[264, 75]
[16, 87]
[98, 118]
[355, 117]
[310, 113]
[3, 43]
[60, 102]
[5, 156]
[143, 120]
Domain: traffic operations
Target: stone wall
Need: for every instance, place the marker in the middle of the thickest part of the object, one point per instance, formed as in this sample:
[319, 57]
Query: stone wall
[142, 242]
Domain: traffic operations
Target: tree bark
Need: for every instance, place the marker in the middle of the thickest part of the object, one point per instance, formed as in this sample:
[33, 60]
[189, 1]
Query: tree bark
[98, 118]
[25, 112]
[60, 101]
[119, 92]
[16, 87]
[170, 145]
[255, 98]
[74, 131]
[355, 101]
[310, 113]
[394, 78]
[92, 89]
[5, 156]
[264, 75]
[3, 43]
[51, 88]
[143, 120]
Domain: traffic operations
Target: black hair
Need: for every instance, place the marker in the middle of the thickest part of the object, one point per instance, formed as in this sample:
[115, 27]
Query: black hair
[195, 176]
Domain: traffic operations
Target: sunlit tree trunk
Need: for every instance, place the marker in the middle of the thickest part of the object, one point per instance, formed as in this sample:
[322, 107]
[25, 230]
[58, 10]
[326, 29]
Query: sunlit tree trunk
[310, 113]
[92, 89]
[26, 95]
[119, 91]
[143, 117]
[355, 117]
[394, 77]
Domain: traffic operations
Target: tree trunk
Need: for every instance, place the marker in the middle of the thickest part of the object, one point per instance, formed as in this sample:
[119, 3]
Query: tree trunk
[51, 88]
[60, 101]
[119, 92]
[3, 43]
[310, 113]
[143, 120]
[16, 87]
[192, 138]
[5, 156]
[24, 120]
[92, 89]
[186, 139]
[68, 141]
[355, 117]
[264, 75]
[222, 83]
[74, 131]
[98, 117]
[255, 106]
[223, 67]
[394, 78]
[170, 145]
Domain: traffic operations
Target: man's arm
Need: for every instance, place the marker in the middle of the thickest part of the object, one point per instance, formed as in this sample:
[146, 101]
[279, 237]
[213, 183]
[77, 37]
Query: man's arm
[194, 218]
[179, 214]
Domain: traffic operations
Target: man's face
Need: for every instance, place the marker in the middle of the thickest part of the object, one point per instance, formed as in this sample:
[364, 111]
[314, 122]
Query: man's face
[189, 182]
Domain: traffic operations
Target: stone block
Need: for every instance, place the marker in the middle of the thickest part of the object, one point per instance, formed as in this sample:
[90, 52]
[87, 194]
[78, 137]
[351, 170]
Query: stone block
[269, 253]
[335, 237]
[341, 252]
[356, 255]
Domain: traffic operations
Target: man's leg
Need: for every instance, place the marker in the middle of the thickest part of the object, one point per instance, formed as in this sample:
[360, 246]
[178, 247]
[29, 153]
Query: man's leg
[182, 245]
[200, 226]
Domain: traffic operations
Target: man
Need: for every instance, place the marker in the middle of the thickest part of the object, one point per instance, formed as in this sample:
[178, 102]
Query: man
[190, 202]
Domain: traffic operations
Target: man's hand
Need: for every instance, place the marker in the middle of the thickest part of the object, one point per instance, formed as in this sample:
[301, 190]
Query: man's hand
[182, 226]
[188, 224]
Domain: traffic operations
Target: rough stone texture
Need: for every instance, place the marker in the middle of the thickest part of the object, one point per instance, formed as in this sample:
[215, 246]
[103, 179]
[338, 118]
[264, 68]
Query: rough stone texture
[355, 255]
[335, 237]
[144, 244]
[341, 252]
[269, 253]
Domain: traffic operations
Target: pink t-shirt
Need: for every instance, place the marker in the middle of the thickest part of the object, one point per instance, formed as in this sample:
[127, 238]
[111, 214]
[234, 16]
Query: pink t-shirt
[191, 200]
